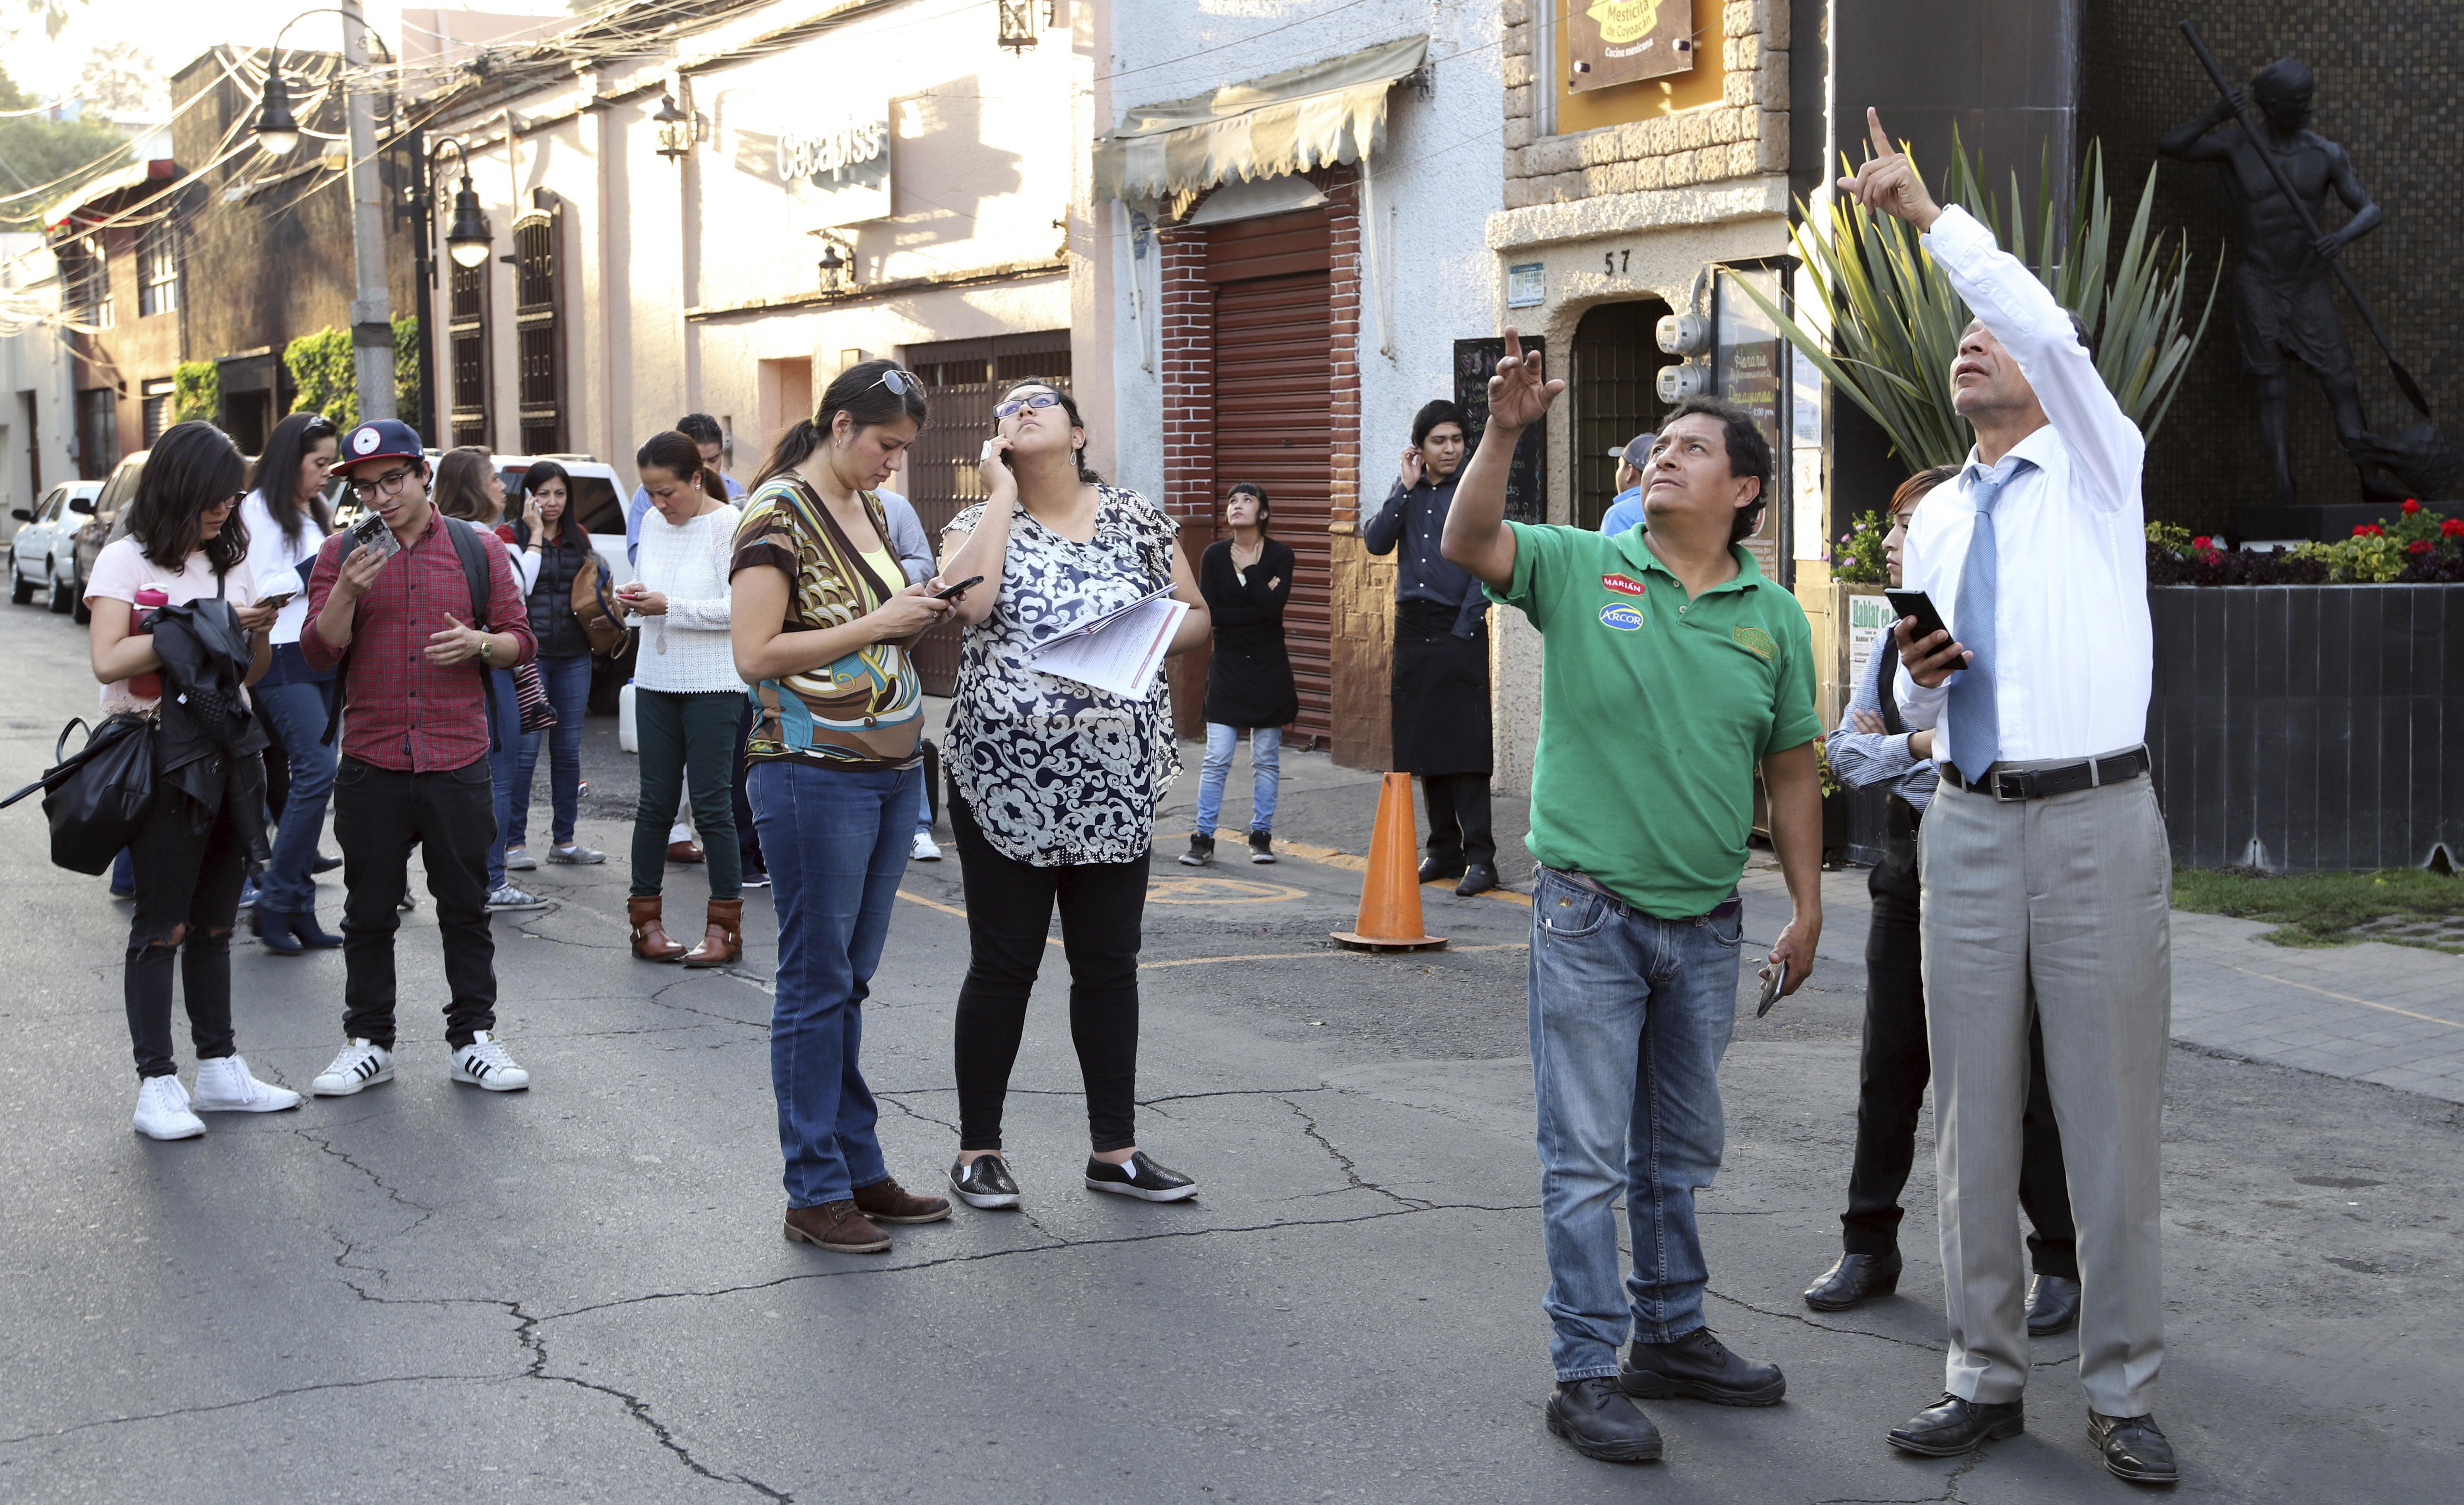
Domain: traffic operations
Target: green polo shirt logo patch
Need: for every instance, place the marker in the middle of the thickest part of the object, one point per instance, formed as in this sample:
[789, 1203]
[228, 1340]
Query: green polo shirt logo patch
[1622, 585]
[1622, 617]
[1754, 640]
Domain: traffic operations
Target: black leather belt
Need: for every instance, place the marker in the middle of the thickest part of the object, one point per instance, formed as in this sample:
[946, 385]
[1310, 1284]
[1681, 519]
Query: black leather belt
[2009, 785]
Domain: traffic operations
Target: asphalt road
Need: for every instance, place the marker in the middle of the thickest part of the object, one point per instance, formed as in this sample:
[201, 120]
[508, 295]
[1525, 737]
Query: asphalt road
[426, 1293]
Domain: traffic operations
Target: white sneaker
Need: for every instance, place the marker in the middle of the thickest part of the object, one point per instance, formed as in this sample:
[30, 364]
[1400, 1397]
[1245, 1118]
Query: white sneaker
[162, 1109]
[926, 849]
[519, 859]
[509, 898]
[228, 1086]
[360, 1064]
[484, 1063]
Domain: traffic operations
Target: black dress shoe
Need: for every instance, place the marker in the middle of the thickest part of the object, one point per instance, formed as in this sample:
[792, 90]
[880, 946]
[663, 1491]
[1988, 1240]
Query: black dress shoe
[1699, 1368]
[1857, 1279]
[324, 864]
[2133, 1447]
[1437, 870]
[1478, 879]
[1601, 1423]
[1951, 1426]
[2053, 1305]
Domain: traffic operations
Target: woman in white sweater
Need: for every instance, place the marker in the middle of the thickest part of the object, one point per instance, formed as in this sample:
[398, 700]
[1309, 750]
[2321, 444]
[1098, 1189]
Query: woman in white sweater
[688, 701]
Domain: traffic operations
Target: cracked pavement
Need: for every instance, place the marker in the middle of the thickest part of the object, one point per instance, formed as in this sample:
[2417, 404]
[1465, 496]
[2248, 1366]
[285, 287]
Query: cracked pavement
[426, 1293]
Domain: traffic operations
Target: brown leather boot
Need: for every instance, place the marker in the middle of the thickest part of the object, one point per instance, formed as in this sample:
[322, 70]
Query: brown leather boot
[837, 1227]
[651, 940]
[885, 1201]
[723, 941]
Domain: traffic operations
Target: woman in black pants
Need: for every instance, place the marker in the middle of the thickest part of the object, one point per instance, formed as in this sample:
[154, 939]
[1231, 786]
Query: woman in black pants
[187, 546]
[1054, 784]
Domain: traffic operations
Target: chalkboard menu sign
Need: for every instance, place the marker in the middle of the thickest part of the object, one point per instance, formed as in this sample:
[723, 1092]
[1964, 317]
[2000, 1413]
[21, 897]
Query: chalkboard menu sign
[1527, 490]
[1747, 370]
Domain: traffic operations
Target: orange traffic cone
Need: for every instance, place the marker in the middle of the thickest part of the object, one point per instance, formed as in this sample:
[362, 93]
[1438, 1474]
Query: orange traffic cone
[1390, 896]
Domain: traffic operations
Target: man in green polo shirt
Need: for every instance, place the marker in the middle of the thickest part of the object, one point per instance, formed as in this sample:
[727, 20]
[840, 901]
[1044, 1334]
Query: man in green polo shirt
[1672, 669]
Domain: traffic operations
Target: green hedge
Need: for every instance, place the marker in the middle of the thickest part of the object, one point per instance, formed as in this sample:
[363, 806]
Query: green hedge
[326, 377]
[198, 393]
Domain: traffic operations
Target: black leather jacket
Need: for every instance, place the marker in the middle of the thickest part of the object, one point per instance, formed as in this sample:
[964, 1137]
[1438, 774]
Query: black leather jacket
[207, 740]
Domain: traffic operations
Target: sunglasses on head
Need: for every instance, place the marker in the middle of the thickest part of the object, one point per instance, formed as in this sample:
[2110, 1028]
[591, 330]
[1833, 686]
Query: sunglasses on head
[1015, 405]
[901, 384]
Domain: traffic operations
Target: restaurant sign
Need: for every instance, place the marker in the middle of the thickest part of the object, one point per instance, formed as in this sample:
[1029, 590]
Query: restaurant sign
[1622, 41]
[837, 172]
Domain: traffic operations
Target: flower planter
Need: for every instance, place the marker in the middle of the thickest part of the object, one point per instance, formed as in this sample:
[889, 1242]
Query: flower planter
[2298, 728]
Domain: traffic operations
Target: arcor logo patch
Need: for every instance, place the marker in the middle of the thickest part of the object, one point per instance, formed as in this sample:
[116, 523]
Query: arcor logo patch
[1621, 618]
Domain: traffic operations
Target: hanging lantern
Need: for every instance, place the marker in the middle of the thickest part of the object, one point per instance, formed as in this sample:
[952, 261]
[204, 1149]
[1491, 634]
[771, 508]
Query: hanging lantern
[1017, 24]
[276, 130]
[675, 129]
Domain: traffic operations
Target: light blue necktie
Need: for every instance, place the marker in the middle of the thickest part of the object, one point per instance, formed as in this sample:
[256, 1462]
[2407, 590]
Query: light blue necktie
[1975, 720]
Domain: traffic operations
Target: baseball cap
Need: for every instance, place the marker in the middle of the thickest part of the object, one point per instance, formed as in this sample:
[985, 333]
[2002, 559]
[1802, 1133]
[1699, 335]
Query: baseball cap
[380, 439]
[1637, 451]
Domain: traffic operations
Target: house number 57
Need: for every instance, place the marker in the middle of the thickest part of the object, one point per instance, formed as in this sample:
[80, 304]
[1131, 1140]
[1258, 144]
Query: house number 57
[1619, 262]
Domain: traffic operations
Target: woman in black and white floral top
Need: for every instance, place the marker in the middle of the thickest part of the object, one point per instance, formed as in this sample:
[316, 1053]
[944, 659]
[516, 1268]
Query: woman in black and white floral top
[1054, 784]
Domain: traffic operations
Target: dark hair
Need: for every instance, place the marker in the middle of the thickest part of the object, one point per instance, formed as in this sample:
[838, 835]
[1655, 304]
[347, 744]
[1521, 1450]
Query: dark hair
[462, 484]
[674, 451]
[1433, 413]
[1749, 454]
[700, 428]
[860, 394]
[285, 448]
[190, 470]
[1250, 488]
[1070, 405]
[1914, 489]
[540, 473]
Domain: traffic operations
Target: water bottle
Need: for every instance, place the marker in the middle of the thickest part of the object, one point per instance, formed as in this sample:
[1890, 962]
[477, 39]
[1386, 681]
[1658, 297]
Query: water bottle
[150, 599]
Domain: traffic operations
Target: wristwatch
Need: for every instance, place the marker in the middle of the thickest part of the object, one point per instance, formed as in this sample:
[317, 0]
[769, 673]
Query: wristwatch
[486, 650]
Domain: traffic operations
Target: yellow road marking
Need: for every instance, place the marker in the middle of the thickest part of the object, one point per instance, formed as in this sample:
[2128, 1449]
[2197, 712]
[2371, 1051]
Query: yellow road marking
[2347, 998]
[1353, 862]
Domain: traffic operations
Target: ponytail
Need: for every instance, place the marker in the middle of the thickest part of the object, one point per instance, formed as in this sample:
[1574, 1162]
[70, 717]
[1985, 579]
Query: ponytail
[859, 392]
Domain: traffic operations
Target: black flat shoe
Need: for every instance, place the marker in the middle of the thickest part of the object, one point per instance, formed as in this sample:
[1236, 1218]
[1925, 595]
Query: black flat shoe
[984, 1182]
[1853, 1281]
[324, 864]
[2053, 1305]
[1951, 1426]
[1699, 1368]
[1434, 870]
[1141, 1178]
[2134, 1449]
[1599, 1422]
[1478, 879]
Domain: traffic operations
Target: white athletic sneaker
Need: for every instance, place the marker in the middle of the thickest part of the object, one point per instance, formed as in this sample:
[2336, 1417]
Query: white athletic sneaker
[359, 1065]
[162, 1109]
[228, 1086]
[484, 1063]
[519, 859]
[926, 849]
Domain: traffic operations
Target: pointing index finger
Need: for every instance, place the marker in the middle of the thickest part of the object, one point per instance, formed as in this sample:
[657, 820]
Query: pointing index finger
[1874, 124]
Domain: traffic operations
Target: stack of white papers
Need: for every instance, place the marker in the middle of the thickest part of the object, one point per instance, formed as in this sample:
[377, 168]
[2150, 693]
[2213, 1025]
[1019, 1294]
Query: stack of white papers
[1118, 651]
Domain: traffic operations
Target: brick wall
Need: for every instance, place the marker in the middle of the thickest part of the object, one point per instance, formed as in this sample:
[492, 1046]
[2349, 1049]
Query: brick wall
[1745, 134]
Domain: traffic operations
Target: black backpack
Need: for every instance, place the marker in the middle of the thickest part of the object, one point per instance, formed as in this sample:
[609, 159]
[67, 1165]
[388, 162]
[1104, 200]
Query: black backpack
[474, 568]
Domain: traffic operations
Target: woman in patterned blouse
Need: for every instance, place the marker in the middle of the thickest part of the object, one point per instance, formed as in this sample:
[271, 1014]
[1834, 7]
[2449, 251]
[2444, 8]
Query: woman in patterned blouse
[822, 625]
[1054, 784]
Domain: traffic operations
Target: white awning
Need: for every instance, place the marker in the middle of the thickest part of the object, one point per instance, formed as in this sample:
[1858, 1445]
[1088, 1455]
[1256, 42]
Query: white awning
[135, 175]
[1285, 122]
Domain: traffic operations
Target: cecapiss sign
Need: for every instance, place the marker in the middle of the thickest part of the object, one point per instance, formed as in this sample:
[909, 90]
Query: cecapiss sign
[807, 156]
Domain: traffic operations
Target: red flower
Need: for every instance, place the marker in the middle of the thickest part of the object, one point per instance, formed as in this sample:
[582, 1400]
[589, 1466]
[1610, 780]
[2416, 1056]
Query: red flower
[2368, 530]
[2452, 526]
[2417, 546]
[2203, 541]
[2410, 506]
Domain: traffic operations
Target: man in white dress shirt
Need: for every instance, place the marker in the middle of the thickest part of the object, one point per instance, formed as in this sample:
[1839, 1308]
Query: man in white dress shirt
[2044, 859]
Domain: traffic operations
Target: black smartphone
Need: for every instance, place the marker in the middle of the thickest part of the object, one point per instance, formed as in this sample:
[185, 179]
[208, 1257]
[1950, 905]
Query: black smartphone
[1774, 977]
[959, 589]
[1920, 606]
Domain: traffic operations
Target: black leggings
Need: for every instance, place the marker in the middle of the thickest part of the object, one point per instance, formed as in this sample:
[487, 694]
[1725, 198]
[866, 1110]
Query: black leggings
[1010, 911]
[187, 900]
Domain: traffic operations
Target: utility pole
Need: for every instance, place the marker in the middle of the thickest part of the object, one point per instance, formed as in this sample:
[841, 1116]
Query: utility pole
[372, 310]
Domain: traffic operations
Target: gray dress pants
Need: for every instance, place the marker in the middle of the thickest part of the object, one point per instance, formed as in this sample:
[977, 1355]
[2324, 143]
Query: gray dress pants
[2072, 893]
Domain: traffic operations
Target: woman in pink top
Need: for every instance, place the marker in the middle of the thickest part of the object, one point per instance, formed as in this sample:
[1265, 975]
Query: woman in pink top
[185, 542]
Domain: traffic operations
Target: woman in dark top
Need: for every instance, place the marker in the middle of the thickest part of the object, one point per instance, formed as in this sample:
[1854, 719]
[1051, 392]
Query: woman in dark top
[550, 551]
[1246, 579]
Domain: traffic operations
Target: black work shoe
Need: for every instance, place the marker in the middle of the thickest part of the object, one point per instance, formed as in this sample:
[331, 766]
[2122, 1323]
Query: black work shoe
[1437, 870]
[1478, 879]
[1853, 1281]
[2053, 1305]
[1200, 852]
[2133, 1447]
[1601, 1423]
[1141, 1177]
[1698, 1366]
[1952, 1426]
[984, 1182]
[1261, 845]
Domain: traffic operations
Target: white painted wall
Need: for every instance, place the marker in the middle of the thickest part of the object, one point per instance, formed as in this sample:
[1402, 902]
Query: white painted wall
[32, 359]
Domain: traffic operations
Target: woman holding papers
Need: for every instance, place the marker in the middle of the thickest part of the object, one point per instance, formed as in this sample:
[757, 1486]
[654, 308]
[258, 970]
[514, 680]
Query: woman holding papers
[834, 771]
[1246, 579]
[1054, 780]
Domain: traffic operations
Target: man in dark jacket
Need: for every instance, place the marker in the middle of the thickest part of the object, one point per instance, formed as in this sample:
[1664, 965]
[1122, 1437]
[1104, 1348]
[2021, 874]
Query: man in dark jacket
[1440, 676]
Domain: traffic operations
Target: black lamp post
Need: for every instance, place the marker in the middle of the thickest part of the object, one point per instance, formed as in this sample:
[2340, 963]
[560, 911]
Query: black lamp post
[276, 130]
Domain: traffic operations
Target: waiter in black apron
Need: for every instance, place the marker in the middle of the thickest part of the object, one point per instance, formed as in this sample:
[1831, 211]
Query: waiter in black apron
[1441, 685]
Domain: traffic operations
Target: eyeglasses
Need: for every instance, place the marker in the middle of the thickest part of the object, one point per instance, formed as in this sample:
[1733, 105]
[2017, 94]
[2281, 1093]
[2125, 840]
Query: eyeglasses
[1017, 405]
[901, 384]
[390, 482]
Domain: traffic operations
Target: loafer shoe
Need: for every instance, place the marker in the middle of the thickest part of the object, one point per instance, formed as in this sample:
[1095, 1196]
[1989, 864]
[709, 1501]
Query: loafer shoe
[2134, 1449]
[1141, 1177]
[1952, 1426]
[837, 1227]
[885, 1201]
[1697, 1366]
[1478, 879]
[1857, 1279]
[983, 1182]
[1598, 1422]
[1433, 870]
[2053, 1305]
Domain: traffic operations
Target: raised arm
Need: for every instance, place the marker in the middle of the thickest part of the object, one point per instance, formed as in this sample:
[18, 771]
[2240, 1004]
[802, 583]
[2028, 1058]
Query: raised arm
[1477, 538]
[2191, 142]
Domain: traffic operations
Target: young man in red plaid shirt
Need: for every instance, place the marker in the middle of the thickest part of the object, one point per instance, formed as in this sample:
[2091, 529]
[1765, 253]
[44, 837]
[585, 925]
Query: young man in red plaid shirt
[415, 745]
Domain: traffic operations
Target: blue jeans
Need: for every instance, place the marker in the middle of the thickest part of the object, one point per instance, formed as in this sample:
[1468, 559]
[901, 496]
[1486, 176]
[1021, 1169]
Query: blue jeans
[568, 694]
[1265, 770]
[502, 764]
[1630, 1016]
[297, 714]
[837, 843]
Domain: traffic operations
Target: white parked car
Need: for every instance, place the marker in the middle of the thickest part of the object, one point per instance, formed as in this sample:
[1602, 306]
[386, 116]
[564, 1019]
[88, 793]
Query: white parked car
[42, 557]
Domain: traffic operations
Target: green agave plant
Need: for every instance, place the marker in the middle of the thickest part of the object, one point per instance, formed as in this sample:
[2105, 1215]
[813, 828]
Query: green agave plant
[1895, 321]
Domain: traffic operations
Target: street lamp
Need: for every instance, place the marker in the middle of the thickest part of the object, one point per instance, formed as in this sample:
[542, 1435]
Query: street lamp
[466, 239]
[675, 127]
[276, 130]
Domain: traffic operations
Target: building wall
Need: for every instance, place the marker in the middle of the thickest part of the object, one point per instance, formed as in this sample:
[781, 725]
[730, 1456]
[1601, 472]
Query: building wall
[33, 382]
